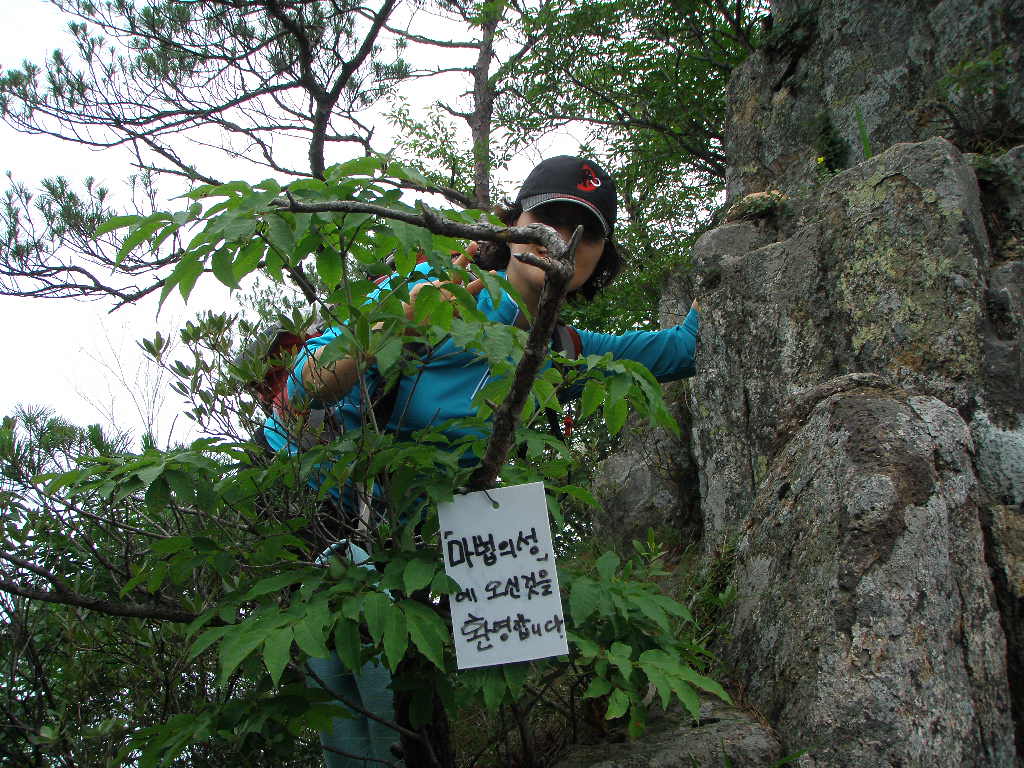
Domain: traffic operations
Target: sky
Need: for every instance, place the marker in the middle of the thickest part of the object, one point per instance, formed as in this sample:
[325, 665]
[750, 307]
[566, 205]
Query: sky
[78, 358]
[74, 357]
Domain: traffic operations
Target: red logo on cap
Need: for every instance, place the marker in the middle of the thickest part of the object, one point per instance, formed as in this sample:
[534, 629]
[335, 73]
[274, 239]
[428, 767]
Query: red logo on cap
[590, 181]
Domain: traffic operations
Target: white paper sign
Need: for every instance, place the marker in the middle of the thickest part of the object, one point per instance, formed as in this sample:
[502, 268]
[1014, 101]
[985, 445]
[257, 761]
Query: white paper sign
[509, 608]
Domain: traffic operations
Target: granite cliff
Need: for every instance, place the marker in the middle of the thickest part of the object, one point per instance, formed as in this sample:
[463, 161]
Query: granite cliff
[855, 435]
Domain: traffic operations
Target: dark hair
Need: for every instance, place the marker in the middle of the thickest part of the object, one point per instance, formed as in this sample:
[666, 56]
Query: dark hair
[496, 256]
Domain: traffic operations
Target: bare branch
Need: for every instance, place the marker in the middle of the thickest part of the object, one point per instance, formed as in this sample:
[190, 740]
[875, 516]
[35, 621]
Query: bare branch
[108, 607]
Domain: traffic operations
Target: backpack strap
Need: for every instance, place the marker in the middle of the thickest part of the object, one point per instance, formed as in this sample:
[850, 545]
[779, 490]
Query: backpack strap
[566, 341]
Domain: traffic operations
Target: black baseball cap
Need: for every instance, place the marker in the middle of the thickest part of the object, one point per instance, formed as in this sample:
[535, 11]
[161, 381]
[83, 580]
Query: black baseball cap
[572, 180]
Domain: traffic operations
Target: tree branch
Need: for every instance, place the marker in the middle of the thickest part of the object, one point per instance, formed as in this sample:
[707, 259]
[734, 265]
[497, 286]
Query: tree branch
[436, 223]
[559, 268]
[109, 607]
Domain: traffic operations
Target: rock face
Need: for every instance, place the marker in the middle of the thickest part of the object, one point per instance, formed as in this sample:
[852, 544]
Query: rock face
[653, 479]
[857, 423]
[865, 626]
[838, 80]
[888, 276]
[890, 272]
[723, 736]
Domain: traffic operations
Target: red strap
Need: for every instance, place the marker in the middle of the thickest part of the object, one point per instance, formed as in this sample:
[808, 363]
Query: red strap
[577, 342]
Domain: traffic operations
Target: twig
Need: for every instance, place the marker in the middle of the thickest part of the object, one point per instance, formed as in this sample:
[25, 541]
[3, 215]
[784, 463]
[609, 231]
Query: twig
[343, 753]
[362, 710]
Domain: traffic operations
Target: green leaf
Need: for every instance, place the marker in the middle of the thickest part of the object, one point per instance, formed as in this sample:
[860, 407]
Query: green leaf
[396, 636]
[651, 610]
[443, 584]
[279, 232]
[598, 687]
[248, 258]
[494, 688]
[427, 631]
[618, 703]
[275, 583]
[410, 239]
[637, 722]
[310, 632]
[584, 599]
[410, 173]
[389, 354]
[492, 284]
[704, 683]
[619, 655]
[171, 545]
[359, 166]
[376, 607]
[418, 573]
[593, 396]
[516, 676]
[588, 648]
[135, 238]
[274, 266]
[348, 644]
[236, 647]
[187, 272]
[236, 225]
[222, 265]
[182, 484]
[687, 696]
[205, 640]
[405, 260]
[615, 415]
[673, 607]
[607, 564]
[328, 266]
[618, 386]
[544, 391]
[661, 683]
[428, 298]
[352, 607]
[580, 493]
[115, 222]
[277, 652]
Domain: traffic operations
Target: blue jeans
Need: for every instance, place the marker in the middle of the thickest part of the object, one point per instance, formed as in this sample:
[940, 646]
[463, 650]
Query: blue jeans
[370, 689]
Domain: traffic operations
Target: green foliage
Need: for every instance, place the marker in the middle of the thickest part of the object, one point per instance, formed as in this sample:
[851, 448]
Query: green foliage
[832, 149]
[228, 543]
[631, 637]
[974, 98]
[862, 132]
[216, 546]
[656, 123]
[635, 644]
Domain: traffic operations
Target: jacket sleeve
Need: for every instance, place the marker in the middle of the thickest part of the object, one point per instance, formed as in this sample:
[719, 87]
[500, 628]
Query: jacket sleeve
[296, 390]
[669, 354]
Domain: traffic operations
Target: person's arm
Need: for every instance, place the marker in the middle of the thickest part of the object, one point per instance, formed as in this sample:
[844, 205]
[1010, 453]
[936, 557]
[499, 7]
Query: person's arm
[330, 383]
[669, 354]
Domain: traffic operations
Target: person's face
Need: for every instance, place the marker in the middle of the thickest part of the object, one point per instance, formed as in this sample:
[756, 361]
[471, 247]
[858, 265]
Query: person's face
[564, 218]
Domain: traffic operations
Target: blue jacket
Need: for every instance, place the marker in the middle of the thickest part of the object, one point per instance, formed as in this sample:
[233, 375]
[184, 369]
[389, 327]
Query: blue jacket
[451, 376]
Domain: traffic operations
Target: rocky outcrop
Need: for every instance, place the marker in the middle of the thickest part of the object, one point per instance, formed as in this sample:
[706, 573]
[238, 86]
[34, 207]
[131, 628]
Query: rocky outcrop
[839, 81]
[892, 273]
[888, 276]
[865, 628]
[652, 478]
[857, 423]
[722, 736]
